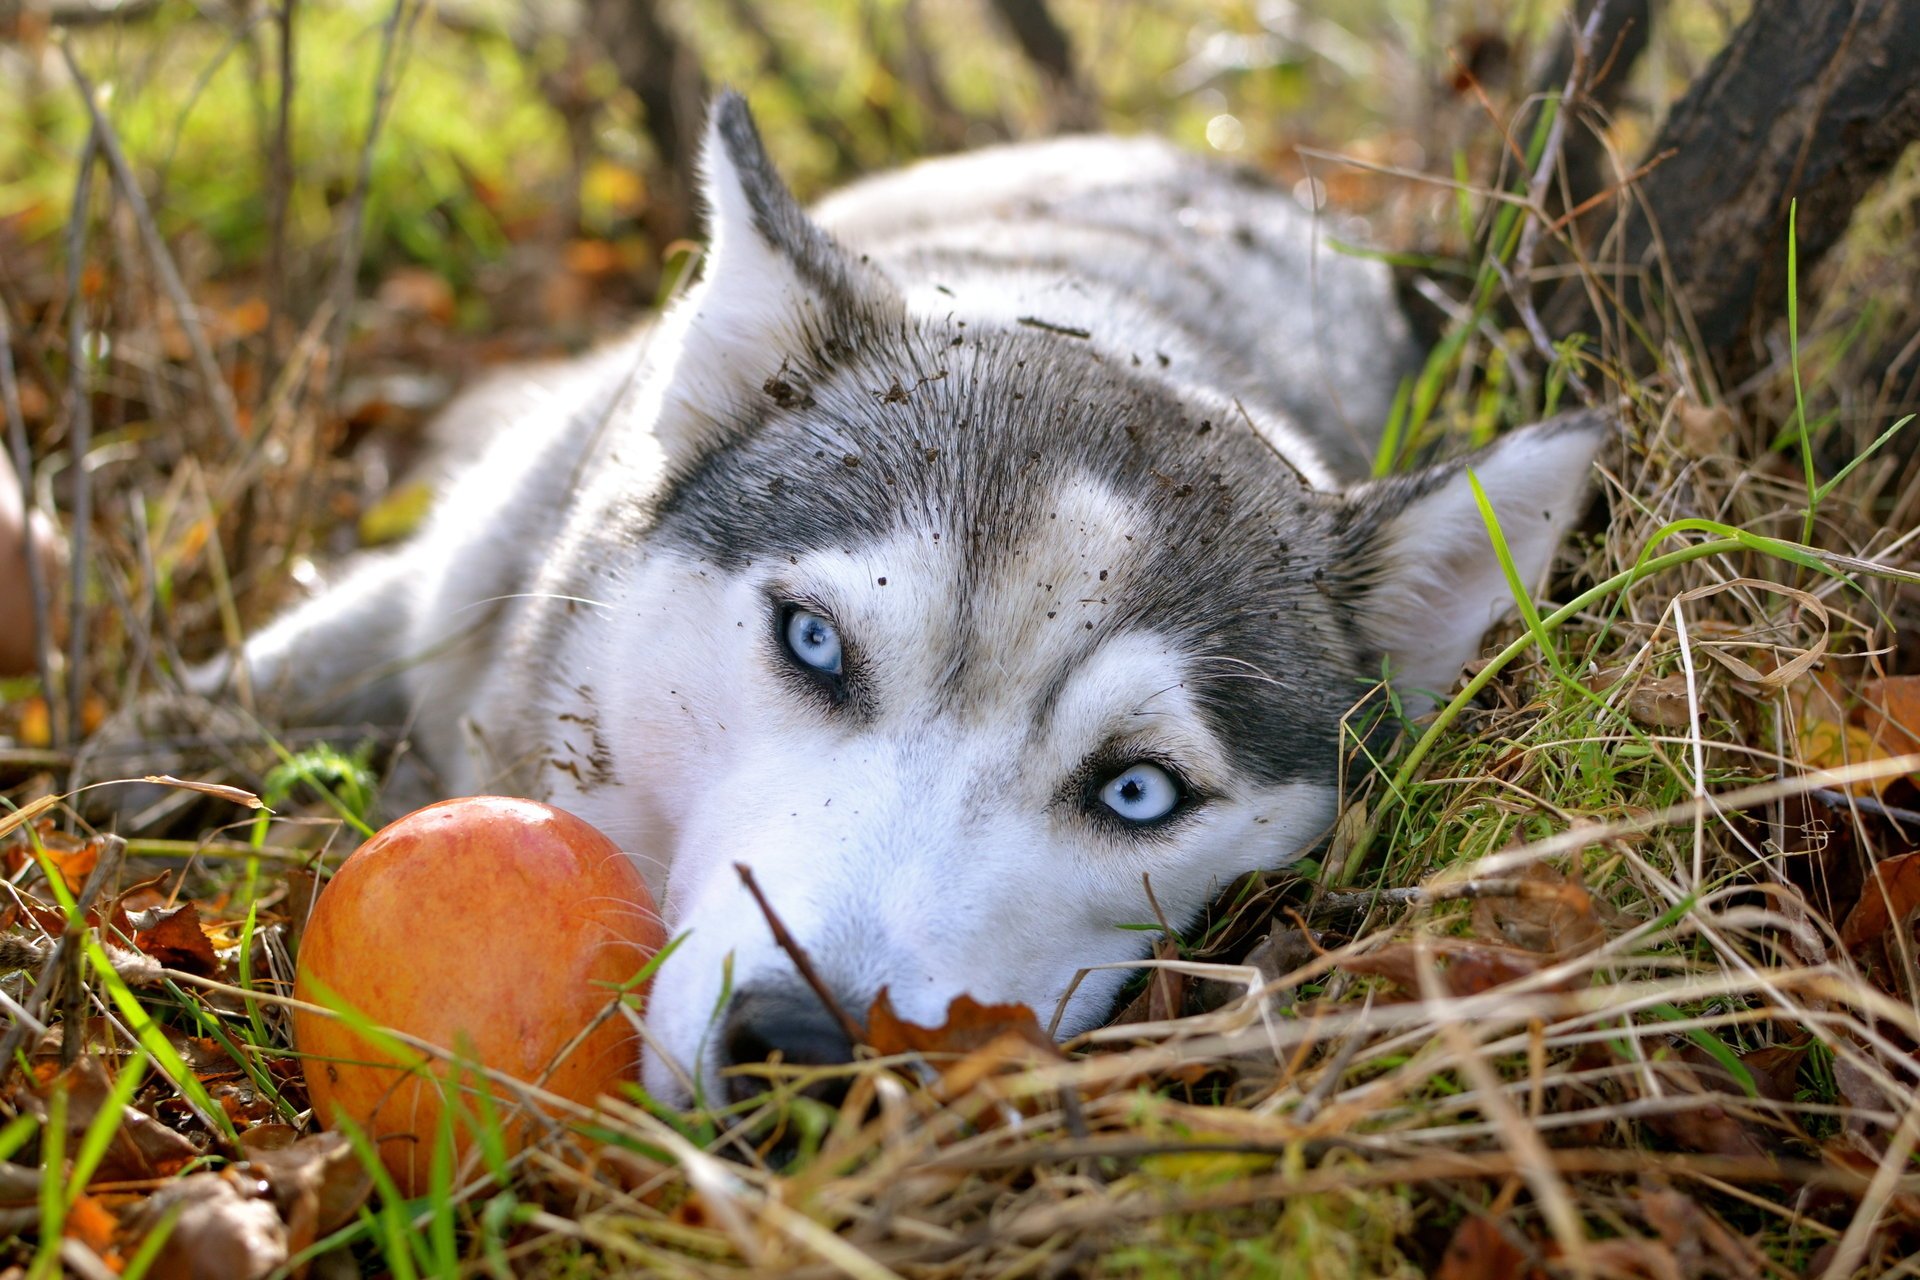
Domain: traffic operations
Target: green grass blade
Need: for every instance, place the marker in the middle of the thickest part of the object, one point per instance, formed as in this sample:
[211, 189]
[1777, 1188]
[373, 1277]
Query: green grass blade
[1521, 595]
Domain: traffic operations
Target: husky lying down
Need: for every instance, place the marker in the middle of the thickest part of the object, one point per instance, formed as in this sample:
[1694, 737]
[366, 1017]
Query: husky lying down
[953, 556]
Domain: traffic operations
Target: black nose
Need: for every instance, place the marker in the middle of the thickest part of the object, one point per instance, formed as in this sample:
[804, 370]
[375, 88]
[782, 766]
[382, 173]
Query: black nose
[776, 1022]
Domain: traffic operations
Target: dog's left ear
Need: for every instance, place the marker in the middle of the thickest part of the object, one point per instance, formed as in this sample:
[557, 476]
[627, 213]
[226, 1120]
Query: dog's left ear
[776, 296]
[1424, 578]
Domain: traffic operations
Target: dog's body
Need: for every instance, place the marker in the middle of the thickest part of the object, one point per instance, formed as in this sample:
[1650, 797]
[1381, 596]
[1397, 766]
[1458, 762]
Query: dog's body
[956, 560]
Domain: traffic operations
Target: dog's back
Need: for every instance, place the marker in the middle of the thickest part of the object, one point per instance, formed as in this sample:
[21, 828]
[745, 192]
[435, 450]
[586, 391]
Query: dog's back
[1156, 255]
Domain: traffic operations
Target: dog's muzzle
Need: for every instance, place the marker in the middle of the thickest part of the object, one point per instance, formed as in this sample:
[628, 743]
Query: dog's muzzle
[785, 1023]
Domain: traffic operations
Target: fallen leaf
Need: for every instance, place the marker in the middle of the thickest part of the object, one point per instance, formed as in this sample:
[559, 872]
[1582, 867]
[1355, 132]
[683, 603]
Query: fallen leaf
[1828, 736]
[1891, 893]
[1662, 703]
[174, 938]
[318, 1181]
[1890, 713]
[1552, 913]
[1463, 968]
[142, 1147]
[73, 859]
[1705, 1125]
[1706, 431]
[90, 1222]
[970, 1026]
[220, 1230]
[1480, 1250]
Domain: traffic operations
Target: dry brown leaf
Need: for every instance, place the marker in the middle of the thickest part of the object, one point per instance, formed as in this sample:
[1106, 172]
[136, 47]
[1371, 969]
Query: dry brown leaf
[141, 1148]
[1890, 713]
[1553, 913]
[93, 1224]
[174, 938]
[1463, 968]
[1704, 1126]
[221, 1230]
[1479, 1250]
[1892, 893]
[970, 1026]
[73, 859]
[1828, 736]
[318, 1182]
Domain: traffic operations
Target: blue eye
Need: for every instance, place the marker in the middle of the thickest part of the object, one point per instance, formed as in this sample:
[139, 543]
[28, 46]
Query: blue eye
[1142, 793]
[813, 641]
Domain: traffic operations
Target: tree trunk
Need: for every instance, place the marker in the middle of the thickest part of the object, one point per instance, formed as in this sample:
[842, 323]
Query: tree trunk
[1808, 101]
[665, 76]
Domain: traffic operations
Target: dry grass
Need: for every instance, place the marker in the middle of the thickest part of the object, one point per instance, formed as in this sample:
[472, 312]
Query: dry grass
[1568, 991]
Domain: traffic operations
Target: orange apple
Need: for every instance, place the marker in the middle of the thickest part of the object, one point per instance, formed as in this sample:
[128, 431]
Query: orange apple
[490, 926]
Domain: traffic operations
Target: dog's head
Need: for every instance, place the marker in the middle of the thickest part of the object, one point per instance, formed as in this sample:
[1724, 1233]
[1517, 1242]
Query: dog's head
[959, 635]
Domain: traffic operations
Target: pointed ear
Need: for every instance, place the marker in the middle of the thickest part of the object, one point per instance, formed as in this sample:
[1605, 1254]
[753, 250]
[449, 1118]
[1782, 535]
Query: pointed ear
[1428, 583]
[774, 292]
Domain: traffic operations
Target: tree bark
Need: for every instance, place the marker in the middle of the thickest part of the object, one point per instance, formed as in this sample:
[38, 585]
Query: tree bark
[1808, 101]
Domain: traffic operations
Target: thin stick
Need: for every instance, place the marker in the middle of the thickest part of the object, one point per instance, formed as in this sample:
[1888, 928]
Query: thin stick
[23, 470]
[104, 870]
[855, 1033]
[347, 267]
[79, 442]
[1519, 283]
[279, 188]
[217, 390]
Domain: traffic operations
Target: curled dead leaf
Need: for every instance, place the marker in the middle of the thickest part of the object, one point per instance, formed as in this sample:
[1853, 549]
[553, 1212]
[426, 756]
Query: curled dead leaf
[1891, 894]
[175, 939]
[219, 1229]
[1551, 912]
[1463, 968]
[318, 1181]
[141, 1147]
[1480, 1250]
[970, 1026]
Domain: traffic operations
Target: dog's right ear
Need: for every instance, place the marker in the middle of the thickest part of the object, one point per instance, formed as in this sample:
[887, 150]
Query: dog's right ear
[777, 299]
[1418, 563]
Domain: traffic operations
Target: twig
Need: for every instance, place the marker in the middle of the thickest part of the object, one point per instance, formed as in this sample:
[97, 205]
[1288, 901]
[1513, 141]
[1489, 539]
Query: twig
[1519, 281]
[79, 442]
[280, 186]
[104, 870]
[1832, 799]
[23, 471]
[218, 393]
[347, 266]
[855, 1033]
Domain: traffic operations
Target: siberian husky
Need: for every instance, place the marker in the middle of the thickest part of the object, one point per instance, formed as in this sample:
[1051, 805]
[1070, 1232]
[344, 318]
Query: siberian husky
[959, 557]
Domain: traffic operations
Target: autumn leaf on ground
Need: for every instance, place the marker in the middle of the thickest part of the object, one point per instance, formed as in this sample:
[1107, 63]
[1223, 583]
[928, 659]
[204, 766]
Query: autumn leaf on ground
[970, 1026]
[1890, 713]
[174, 938]
[223, 1228]
[318, 1181]
[1892, 893]
[141, 1147]
[1830, 738]
[71, 856]
[91, 1223]
[1705, 1125]
[1462, 968]
[1553, 913]
[1480, 1250]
